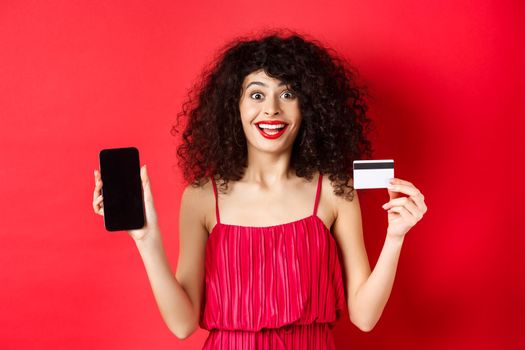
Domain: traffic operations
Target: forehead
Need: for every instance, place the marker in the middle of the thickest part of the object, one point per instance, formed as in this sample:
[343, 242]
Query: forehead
[260, 78]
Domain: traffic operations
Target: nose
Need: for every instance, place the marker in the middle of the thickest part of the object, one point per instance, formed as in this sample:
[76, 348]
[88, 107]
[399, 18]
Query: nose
[272, 106]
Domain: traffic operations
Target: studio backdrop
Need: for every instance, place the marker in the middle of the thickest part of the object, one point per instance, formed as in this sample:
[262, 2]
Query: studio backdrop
[446, 81]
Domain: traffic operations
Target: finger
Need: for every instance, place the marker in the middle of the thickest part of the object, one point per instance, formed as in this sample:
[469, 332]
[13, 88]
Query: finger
[397, 180]
[97, 175]
[98, 202]
[413, 210]
[98, 179]
[400, 201]
[97, 191]
[146, 183]
[405, 214]
[406, 189]
[419, 200]
[408, 203]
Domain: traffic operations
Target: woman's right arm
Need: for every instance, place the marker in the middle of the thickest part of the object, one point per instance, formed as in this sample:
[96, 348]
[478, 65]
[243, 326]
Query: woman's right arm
[178, 297]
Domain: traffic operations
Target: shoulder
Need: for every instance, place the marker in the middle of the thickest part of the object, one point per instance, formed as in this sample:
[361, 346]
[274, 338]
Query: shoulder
[199, 200]
[194, 192]
[337, 203]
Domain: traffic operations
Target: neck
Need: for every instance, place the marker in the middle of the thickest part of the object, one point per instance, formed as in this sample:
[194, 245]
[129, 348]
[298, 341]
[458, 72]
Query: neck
[268, 168]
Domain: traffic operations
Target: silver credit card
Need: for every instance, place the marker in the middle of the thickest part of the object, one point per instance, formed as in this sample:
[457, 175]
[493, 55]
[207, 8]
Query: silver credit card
[373, 173]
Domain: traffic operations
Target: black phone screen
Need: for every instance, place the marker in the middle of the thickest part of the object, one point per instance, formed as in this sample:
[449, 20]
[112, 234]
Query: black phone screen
[121, 189]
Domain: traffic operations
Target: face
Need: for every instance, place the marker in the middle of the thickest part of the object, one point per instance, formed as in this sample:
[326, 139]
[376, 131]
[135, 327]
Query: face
[269, 111]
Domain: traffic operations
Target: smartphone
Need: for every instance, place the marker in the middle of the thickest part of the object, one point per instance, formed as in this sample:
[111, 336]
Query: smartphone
[122, 189]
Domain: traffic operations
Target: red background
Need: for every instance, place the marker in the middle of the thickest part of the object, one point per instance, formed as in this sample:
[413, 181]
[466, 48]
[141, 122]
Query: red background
[79, 76]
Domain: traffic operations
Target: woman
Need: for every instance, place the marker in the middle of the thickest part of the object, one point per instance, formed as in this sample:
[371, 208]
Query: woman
[259, 265]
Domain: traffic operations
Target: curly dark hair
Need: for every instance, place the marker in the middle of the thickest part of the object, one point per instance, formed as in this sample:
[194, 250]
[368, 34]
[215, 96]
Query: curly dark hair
[333, 109]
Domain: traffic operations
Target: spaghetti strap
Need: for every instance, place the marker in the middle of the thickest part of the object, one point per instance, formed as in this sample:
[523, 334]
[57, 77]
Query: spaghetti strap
[319, 182]
[216, 200]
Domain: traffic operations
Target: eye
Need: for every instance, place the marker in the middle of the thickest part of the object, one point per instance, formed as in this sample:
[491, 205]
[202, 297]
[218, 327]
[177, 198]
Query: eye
[290, 94]
[255, 94]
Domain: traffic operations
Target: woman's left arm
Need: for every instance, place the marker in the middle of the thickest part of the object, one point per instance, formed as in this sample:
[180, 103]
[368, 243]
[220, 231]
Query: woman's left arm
[368, 292]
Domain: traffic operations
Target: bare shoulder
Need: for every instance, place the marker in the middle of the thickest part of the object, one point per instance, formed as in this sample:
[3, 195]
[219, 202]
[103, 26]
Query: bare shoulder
[197, 201]
[338, 204]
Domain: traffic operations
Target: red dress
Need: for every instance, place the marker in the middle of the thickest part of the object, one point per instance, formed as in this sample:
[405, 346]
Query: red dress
[272, 287]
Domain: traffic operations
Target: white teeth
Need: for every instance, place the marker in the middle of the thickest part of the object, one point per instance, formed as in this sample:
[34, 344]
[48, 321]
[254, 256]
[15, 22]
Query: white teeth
[269, 126]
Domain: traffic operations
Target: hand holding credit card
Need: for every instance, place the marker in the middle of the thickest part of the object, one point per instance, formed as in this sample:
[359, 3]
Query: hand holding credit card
[373, 173]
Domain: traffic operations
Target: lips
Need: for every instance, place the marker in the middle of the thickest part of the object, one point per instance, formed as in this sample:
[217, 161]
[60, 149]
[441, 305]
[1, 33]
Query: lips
[273, 135]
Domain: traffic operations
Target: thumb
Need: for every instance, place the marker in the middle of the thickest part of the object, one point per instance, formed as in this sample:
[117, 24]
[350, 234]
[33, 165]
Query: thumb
[145, 181]
[151, 215]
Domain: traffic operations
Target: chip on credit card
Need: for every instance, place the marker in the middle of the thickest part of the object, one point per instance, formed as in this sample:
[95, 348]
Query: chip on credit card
[373, 173]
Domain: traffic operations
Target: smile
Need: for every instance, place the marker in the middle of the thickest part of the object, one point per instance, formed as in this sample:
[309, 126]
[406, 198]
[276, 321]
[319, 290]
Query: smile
[271, 131]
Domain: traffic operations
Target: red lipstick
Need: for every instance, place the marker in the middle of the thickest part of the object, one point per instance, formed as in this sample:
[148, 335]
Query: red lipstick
[274, 134]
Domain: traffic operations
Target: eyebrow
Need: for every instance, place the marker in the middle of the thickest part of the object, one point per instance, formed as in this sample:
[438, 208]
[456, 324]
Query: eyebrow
[261, 84]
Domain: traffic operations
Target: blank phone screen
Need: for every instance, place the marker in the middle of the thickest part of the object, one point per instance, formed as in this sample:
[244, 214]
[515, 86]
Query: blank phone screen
[121, 189]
